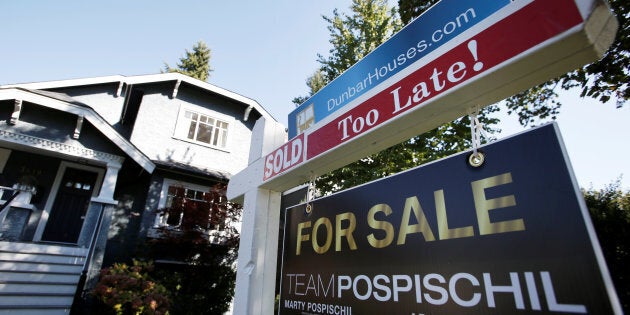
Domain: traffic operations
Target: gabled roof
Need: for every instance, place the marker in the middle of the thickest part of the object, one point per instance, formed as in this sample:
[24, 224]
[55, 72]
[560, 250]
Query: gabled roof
[57, 101]
[143, 79]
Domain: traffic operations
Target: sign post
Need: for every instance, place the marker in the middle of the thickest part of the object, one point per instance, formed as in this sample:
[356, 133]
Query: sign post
[512, 46]
[257, 253]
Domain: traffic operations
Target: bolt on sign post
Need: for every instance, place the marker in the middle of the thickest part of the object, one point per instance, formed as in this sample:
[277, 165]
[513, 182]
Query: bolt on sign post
[512, 236]
[459, 55]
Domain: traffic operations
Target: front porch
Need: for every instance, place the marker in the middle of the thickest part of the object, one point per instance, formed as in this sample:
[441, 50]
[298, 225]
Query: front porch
[44, 277]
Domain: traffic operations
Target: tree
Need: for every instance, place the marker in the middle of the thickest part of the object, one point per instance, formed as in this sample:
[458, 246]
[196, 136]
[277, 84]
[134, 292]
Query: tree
[353, 37]
[203, 282]
[195, 64]
[201, 244]
[604, 80]
[610, 212]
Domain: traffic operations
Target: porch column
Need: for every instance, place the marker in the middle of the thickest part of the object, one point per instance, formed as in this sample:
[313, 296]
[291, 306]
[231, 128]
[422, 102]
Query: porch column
[109, 181]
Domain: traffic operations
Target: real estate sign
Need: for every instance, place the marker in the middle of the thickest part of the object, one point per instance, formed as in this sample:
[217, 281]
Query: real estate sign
[511, 236]
[522, 30]
[459, 55]
[437, 26]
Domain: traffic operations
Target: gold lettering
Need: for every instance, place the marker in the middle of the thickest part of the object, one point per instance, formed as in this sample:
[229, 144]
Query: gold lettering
[423, 227]
[380, 225]
[326, 222]
[349, 216]
[483, 206]
[302, 237]
[444, 232]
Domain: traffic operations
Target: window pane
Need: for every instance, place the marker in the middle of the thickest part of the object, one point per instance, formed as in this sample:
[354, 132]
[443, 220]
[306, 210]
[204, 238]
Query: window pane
[191, 130]
[204, 134]
[190, 193]
[223, 139]
[199, 195]
[215, 140]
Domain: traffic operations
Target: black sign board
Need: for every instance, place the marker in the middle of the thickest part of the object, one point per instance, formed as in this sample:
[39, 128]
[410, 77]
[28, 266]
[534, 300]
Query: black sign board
[510, 237]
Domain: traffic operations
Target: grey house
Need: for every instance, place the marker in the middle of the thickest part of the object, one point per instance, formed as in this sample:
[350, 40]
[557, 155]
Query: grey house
[85, 163]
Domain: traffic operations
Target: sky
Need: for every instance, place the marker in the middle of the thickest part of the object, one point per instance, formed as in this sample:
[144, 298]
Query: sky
[261, 49]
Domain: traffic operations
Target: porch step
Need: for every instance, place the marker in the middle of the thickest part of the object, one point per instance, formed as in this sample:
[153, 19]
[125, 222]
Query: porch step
[38, 278]
[44, 277]
[41, 258]
[34, 310]
[52, 268]
[40, 287]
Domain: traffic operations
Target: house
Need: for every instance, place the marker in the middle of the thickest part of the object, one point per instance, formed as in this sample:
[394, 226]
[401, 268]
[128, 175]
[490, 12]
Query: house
[85, 163]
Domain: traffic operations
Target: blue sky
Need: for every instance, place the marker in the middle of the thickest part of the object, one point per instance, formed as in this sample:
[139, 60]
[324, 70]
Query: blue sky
[261, 49]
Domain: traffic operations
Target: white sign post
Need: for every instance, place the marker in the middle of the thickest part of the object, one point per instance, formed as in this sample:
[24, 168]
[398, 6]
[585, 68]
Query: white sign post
[257, 254]
[524, 43]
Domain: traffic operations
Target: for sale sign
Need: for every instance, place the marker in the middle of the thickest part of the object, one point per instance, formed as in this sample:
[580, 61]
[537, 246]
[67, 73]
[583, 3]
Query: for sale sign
[512, 236]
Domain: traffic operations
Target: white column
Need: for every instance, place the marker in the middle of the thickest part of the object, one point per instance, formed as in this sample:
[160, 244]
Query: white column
[258, 250]
[257, 254]
[109, 181]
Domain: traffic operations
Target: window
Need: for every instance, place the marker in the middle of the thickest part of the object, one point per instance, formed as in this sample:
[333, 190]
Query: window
[184, 204]
[203, 129]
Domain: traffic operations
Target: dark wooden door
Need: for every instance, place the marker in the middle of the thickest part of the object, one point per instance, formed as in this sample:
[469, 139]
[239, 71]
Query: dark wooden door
[71, 203]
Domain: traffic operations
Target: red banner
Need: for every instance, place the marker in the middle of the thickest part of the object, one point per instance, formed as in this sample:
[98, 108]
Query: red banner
[285, 157]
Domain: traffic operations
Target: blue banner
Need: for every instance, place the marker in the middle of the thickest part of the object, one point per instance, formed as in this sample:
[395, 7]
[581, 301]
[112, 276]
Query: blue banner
[437, 26]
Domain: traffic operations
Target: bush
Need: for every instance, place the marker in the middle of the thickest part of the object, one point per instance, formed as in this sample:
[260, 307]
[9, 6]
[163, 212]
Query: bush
[129, 290]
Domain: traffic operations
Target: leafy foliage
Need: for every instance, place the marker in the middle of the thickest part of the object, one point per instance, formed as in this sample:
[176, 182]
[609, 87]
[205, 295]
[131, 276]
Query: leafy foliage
[610, 212]
[130, 290]
[604, 80]
[195, 63]
[354, 36]
[200, 250]
[205, 244]
[410, 9]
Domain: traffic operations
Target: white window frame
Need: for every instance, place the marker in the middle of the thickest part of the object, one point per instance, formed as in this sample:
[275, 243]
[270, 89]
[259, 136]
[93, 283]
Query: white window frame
[160, 220]
[183, 124]
[215, 236]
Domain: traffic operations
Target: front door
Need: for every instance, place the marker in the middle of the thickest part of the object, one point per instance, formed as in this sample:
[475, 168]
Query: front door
[71, 203]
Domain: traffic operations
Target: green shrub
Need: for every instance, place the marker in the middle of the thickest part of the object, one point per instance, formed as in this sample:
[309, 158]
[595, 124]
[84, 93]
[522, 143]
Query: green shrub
[130, 290]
